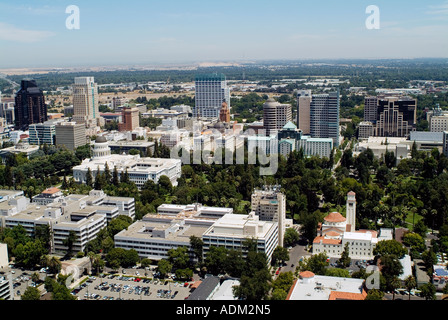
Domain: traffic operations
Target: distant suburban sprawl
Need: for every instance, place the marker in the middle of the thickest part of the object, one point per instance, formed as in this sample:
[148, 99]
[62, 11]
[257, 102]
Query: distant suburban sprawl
[267, 181]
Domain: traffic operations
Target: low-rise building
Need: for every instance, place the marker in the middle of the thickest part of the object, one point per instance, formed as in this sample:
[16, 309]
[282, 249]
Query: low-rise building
[85, 215]
[139, 169]
[314, 287]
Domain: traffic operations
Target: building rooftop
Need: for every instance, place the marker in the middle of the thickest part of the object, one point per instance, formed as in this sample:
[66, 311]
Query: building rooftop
[326, 288]
[334, 217]
[205, 289]
[51, 190]
[143, 229]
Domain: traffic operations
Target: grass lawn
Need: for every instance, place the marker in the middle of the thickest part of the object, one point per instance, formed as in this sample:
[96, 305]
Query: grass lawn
[410, 217]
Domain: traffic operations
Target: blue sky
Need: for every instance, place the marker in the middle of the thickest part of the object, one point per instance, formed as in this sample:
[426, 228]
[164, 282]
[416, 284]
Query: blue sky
[33, 33]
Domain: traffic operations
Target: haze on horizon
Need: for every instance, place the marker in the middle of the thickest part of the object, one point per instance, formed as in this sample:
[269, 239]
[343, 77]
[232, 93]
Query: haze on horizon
[33, 33]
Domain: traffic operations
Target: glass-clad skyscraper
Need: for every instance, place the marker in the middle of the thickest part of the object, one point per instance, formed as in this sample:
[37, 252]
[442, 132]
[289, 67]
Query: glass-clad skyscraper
[210, 92]
[324, 116]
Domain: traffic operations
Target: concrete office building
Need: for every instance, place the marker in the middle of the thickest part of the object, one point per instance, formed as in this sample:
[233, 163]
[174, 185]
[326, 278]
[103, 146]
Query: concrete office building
[85, 103]
[275, 116]
[370, 109]
[290, 139]
[366, 129]
[324, 116]
[232, 230]
[445, 143]
[321, 147]
[138, 169]
[153, 238]
[315, 287]
[172, 225]
[210, 92]
[303, 110]
[438, 123]
[43, 133]
[71, 135]
[4, 258]
[270, 205]
[6, 288]
[131, 120]
[85, 215]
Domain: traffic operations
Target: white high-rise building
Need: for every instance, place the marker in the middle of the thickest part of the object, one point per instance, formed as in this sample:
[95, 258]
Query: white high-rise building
[270, 205]
[85, 101]
[210, 91]
[303, 110]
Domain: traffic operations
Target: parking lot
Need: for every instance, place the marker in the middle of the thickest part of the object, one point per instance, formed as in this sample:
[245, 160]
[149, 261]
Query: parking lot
[122, 287]
[21, 280]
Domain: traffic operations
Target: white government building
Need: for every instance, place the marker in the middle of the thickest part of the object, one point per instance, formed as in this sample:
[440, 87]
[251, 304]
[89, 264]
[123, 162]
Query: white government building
[337, 230]
[85, 215]
[139, 169]
[154, 235]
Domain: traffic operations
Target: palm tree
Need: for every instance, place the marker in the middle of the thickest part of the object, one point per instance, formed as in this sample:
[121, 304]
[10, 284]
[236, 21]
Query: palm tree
[410, 284]
[395, 283]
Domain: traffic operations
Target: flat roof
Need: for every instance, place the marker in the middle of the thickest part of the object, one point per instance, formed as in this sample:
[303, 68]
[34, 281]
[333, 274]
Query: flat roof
[135, 230]
[321, 287]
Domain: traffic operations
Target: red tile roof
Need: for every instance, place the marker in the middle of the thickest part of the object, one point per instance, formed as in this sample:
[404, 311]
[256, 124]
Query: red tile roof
[337, 295]
[334, 217]
[51, 190]
[326, 241]
[306, 274]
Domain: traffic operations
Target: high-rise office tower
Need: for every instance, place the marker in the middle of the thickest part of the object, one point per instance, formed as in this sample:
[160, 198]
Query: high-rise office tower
[71, 134]
[396, 116]
[210, 91]
[30, 105]
[370, 109]
[270, 205]
[303, 110]
[324, 116]
[85, 101]
[131, 119]
[275, 116]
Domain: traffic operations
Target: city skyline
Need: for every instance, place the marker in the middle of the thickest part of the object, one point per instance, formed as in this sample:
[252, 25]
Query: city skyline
[34, 33]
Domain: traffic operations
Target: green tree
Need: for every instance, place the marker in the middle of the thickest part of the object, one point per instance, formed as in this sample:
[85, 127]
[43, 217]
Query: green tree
[280, 255]
[216, 259]
[164, 267]
[197, 245]
[316, 263]
[410, 284]
[89, 178]
[375, 294]
[179, 257]
[291, 237]
[278, 294]
[31, 293]
[428, 291]
[386, 247]
[345, 259]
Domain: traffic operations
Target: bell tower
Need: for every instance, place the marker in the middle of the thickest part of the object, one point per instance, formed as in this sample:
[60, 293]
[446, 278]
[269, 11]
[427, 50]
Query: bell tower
[224, 113]
[351, 211]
